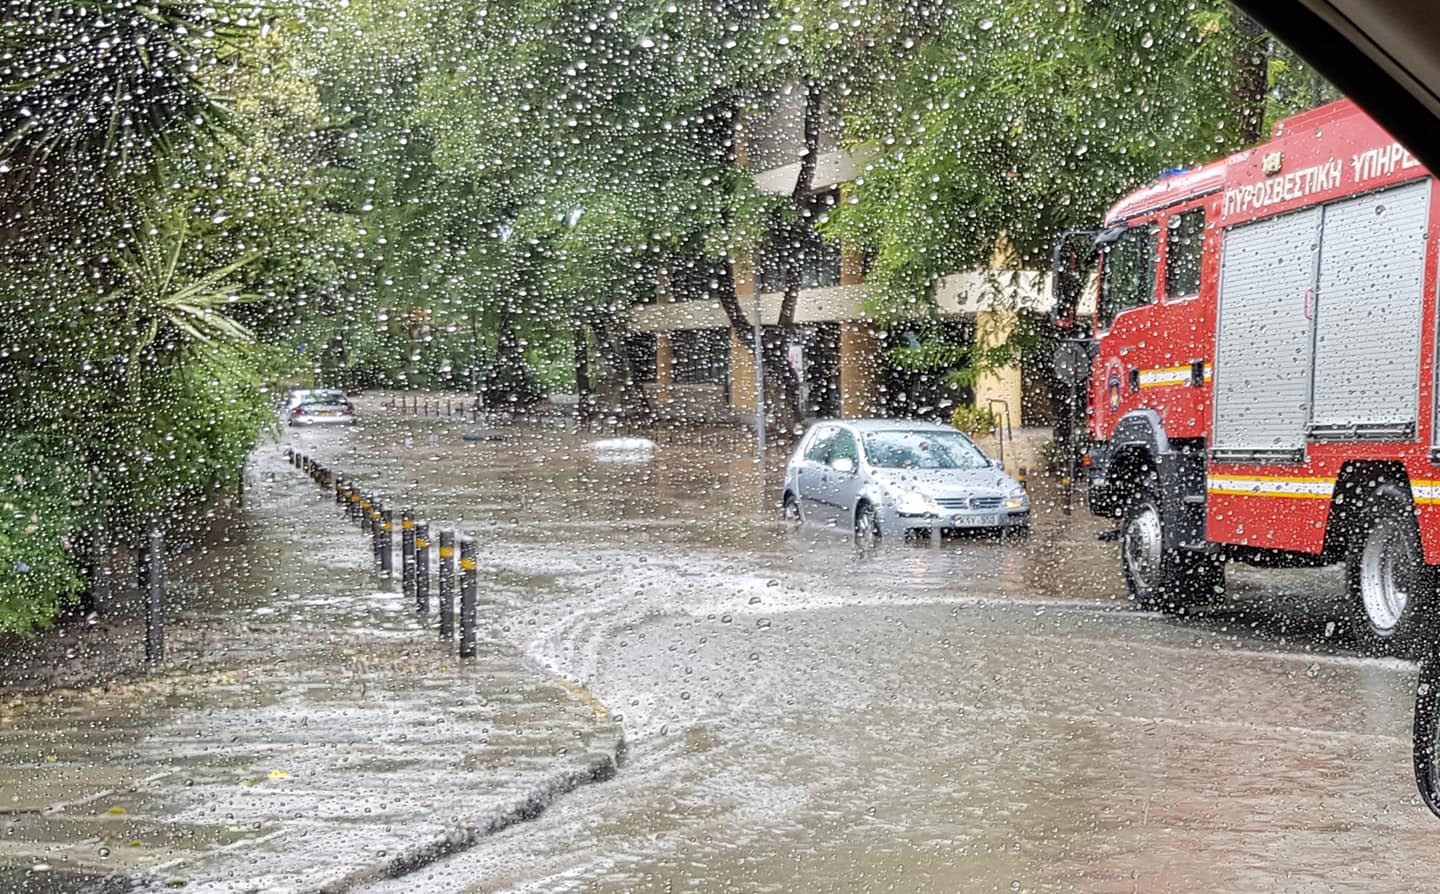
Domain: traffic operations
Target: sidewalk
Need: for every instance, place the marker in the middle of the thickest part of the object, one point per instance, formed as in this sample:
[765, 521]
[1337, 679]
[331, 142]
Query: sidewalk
[309, 731]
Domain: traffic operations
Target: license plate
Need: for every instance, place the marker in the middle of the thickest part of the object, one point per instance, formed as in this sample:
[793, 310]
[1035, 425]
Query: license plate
[977, 521]
[328, 413]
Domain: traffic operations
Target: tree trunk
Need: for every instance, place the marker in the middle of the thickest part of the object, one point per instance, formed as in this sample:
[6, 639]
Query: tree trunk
[584, 404]
[782, 385]
[1252, 69]
[634, 405]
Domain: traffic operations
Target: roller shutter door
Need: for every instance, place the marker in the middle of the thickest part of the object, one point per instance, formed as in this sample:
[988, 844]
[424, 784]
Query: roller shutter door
[1263, 349]
[1367, 315]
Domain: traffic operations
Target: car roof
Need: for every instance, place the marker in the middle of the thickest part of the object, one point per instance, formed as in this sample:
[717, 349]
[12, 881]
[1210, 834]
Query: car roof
[872, 425]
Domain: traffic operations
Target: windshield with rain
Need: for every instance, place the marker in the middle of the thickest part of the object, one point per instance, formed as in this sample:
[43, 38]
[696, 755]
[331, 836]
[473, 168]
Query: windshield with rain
[405, 482]
[922, 450]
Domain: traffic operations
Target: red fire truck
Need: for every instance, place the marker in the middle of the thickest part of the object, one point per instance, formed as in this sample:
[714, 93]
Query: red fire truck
[1261, 376]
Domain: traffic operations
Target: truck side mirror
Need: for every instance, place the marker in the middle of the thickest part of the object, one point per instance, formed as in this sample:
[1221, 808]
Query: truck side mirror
[1071, 262]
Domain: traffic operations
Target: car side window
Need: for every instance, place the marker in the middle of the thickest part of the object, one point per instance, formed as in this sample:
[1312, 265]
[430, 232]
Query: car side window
[843, 447]
[819, 449]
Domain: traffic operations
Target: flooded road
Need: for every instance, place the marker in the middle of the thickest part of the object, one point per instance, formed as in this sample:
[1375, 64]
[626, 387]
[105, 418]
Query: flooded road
[985, 715]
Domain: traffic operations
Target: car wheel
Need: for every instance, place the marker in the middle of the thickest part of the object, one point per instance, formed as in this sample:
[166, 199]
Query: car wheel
[1158, 577]
[867, 528]
[790, 511]
[1388, 579]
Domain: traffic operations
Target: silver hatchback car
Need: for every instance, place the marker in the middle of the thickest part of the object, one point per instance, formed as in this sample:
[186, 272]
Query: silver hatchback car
[883, 477]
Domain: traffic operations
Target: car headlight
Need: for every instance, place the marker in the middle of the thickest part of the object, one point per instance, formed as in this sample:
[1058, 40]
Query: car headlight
[1017, 499]
[908, 502]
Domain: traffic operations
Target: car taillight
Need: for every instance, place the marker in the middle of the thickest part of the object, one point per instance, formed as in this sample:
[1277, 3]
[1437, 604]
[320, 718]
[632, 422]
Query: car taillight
[298, 411]
[349, 408]
[1085, 459]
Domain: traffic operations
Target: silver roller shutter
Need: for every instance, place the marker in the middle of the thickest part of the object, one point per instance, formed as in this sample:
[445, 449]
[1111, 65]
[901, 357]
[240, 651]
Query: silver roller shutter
[1367, 317]
[1263, 345]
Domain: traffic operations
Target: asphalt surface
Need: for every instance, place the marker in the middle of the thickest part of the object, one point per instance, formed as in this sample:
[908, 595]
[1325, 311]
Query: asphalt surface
[979, 715]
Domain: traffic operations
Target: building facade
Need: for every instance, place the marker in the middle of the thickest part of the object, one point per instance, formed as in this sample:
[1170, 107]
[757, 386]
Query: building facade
[840, 355]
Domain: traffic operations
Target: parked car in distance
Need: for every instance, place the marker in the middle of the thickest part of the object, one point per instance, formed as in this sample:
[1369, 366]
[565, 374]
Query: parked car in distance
[319, 406]
[888, 477]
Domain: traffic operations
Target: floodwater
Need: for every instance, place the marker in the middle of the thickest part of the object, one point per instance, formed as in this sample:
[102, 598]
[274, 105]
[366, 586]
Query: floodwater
[977, 715]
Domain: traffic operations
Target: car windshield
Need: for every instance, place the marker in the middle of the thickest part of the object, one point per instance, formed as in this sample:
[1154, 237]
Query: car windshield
[922, 450]
[645, 445]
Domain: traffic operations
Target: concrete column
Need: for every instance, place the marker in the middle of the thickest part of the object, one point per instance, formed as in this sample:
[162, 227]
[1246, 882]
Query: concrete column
[993, 327]
[852, 264]
[664, 368]
[861, 362]
[742, 376]
[742, 363]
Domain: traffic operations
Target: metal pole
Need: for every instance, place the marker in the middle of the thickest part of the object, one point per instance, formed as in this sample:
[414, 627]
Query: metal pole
[407, 553]
[447, 584]
[1070, 440]
[759, 387]
[152, 572]
[468, 575]
[387, 542]
[422, 567]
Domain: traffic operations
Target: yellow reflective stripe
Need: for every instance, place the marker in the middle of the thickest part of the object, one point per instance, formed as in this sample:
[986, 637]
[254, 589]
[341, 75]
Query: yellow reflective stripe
[384, 526]
[407, 524]
[447, 551]
[1168, 375]
[421, 543]
[467, 564]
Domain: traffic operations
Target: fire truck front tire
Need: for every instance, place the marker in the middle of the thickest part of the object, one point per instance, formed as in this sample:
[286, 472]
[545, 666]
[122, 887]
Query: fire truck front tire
[1158, 577]
[1390, 584]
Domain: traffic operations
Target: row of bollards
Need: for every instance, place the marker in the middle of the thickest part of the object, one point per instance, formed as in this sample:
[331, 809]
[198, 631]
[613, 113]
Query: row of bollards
[377, 521]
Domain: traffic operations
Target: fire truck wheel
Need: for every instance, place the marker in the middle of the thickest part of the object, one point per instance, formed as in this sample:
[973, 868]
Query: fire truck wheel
[1426, 734]
[1157, 577]
[1388, 579]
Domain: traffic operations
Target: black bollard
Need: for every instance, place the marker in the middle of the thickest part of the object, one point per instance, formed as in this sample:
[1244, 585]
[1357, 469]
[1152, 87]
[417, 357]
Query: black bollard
[422, 567]
[340, 490]
[375, 528]
[152, 584]
[387, 542]
[407, 553]
[366, 507]
[447, 584]
[468, 575]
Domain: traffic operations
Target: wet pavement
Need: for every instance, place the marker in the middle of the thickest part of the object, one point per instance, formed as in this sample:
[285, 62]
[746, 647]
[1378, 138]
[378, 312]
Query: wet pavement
[981, 715]
[308, 731]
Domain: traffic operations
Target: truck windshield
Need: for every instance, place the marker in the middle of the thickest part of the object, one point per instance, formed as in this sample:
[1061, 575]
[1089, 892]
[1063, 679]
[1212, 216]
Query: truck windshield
[1127, 278]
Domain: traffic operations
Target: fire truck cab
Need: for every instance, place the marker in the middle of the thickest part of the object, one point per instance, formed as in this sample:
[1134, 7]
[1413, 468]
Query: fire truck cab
[1261, 385]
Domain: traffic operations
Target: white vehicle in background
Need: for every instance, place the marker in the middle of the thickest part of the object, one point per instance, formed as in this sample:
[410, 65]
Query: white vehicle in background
[319, 406]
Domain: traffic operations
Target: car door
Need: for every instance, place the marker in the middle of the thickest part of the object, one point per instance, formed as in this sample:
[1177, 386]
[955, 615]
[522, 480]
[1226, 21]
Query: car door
[809, 472]
[841, 480]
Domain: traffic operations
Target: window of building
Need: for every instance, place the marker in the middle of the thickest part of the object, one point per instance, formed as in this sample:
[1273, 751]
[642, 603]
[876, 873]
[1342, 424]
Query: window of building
[702, 356]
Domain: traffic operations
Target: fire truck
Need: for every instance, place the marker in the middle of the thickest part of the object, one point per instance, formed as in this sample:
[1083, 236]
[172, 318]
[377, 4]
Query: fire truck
[1260, 376]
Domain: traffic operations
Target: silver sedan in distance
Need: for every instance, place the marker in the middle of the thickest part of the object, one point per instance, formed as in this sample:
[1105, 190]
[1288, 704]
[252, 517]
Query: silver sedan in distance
[888, 477]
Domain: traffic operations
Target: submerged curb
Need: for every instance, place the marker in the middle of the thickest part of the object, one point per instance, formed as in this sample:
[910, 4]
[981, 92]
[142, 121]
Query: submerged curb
[598, 766]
